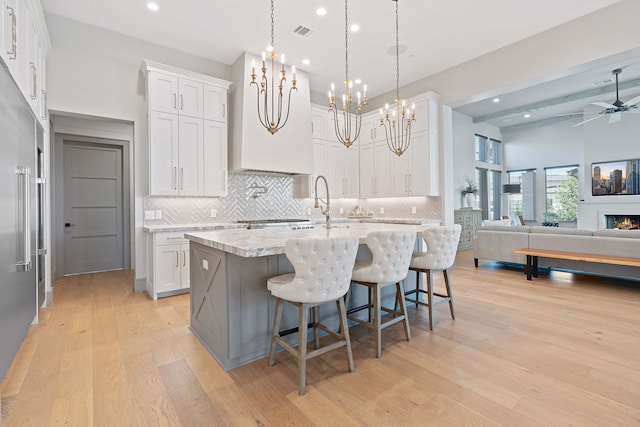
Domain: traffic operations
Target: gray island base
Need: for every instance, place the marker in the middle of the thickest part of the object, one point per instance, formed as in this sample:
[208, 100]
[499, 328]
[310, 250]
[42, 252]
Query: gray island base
[231, 308]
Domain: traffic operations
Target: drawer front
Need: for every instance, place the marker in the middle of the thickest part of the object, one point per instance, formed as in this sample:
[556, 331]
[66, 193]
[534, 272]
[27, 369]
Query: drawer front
[172, 238]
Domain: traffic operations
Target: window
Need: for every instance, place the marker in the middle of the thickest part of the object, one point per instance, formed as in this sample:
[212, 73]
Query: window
[561, 184]
[523, 203]
[489, 186]
[488, 150]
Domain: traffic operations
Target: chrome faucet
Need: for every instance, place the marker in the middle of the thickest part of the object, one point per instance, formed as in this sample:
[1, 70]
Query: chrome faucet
[326, 210]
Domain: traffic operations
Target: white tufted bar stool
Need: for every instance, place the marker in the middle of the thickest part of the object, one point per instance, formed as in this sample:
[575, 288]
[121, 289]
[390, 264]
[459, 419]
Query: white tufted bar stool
[442, 245]
[391, 253]
[322, 274]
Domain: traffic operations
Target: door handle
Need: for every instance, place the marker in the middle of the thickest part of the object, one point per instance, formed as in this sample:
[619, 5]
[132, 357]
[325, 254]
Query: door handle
[25, 265]
[68, 225]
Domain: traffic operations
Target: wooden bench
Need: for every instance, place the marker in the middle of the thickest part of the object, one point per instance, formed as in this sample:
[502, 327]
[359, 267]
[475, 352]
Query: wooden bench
[531, 268]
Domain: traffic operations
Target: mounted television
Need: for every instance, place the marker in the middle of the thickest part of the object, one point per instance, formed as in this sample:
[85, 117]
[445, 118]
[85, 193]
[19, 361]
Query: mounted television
[615, 178]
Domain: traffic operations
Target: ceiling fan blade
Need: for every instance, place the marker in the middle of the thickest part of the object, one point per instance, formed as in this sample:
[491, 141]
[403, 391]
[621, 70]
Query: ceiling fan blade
[603, 105]
[614, 118]
[633, 101]
[588, 120]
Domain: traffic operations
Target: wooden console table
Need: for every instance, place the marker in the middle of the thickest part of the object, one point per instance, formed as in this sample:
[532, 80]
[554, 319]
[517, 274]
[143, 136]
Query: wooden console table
[531, 268]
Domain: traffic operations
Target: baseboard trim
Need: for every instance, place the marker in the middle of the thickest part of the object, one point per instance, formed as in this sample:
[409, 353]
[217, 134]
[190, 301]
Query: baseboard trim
[140, 285]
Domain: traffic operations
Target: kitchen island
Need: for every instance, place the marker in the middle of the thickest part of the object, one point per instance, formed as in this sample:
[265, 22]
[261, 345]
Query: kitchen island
[231, 308]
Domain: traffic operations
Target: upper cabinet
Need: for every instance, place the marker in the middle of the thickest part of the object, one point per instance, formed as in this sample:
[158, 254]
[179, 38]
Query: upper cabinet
[187, 132]
[25, 40]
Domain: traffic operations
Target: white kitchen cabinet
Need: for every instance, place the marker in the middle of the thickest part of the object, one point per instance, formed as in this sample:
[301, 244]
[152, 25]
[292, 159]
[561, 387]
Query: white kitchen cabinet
[343, 171]
[215, 103]
[320, 123]
[168, 269]
[187, 154]
[171, 94]
[215, 158]
[371, 130]
[305, 184]
[415, 173]
[367, 170]
[375, 170]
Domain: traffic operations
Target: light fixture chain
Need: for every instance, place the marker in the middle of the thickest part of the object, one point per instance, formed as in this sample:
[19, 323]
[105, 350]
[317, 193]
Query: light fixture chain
[346, 41]
[397, 56]
[272, 25]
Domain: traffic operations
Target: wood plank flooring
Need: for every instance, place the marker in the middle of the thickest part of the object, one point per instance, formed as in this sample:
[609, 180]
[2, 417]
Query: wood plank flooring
[561, 350]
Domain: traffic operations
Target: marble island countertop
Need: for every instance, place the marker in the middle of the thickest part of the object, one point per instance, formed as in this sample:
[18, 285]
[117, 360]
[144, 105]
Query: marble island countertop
[264, 242]
[191, 227]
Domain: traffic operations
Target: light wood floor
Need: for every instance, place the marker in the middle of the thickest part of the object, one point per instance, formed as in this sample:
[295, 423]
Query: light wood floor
[562, 349]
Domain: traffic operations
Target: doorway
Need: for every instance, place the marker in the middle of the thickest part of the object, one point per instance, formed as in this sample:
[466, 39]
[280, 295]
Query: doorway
[92, 204]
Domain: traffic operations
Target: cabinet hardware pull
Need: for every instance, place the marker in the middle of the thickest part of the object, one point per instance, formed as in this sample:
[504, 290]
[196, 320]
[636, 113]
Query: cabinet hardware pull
[175, 238]
[13, 53]
[44, 104]
[224, 110]
[34, 78]
[25, 265]
[410, 184]
[181, 103]
[175, 101]
[182, 178]
[174, 178]
[177, 259]
[184, 258]
[224, 180]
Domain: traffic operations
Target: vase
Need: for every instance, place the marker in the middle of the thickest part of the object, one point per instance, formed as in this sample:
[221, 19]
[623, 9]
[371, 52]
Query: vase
[470, 199]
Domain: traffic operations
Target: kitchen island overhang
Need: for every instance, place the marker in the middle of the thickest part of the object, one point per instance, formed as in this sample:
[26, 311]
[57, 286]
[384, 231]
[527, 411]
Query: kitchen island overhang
[231, 309]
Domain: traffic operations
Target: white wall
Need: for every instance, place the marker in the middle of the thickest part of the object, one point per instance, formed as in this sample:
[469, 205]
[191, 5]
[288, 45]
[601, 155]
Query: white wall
[464, 163]
[97, 72]
[541, 147]
[605, 142]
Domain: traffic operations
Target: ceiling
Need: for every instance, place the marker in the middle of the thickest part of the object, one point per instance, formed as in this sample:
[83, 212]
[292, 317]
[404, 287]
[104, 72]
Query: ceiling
[436, 35]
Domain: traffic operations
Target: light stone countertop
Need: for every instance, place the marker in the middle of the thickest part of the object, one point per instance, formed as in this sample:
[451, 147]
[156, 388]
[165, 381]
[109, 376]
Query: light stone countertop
[264, 242]
[191, 227]
[411, 220]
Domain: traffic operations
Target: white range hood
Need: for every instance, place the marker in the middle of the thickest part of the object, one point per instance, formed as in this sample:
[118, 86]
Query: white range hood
[252, 148]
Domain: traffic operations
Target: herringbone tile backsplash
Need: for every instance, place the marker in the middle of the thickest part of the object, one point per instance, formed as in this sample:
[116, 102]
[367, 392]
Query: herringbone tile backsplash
[279, 201]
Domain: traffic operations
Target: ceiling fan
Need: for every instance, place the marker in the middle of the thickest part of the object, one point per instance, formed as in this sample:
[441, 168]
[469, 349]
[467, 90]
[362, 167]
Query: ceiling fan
[617, 107]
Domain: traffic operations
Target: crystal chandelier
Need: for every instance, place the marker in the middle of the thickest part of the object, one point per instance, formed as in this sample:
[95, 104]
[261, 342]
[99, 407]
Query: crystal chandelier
[349, 135]
[270, 104]
[397, 122]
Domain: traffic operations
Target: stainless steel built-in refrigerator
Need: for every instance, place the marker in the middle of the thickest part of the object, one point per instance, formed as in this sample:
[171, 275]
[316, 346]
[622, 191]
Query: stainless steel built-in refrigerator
[18, 194]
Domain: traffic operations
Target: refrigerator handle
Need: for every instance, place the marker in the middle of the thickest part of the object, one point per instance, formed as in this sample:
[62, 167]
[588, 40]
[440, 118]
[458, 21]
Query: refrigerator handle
[25, 173]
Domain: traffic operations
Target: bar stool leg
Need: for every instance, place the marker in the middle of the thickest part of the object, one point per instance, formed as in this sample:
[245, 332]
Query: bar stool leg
[276, 331]
[430, 298]
[342, 313]
[417, 289]
[303, 314]
[377, 320]
[315, 320]
[446, 283]
[403, 307]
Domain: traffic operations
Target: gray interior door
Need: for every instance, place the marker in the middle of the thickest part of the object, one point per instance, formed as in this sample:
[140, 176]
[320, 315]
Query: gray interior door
[93, 210]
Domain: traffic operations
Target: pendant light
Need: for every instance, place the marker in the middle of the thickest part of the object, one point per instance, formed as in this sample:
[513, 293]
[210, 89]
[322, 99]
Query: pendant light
[351, 129]
[273, 115]
[397, 121]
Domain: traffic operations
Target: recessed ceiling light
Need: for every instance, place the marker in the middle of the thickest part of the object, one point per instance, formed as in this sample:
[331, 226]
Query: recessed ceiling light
[152, 6]
[321, 11]
[306, 61]
[496, 100]
[355, 27]
[358, 81]
[527, 115]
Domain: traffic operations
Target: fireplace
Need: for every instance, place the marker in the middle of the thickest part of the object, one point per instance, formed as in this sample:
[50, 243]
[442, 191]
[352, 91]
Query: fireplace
[622, 222]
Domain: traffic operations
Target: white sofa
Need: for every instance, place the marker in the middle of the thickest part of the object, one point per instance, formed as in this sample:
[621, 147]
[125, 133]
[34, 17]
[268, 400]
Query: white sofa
[497, 243]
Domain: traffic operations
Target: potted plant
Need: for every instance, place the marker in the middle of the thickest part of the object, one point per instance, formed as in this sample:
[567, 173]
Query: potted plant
[469, 192]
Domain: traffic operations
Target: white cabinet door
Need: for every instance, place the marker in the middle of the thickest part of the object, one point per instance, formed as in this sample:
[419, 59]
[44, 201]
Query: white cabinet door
[351, 172]
[383, 176]
[5, 27]
[371, 130]
[43, 113]
[185, 269]
[14, 13]
[335, 169]
[168, 274]
[319, 123]
[421, 123]
[163, 92]
[215, 158]
[190, 168]
[32, 69]
[400, 173]
[191, 98]
[215, 103]
[163, 154]
[367, 170]
[423, 166]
